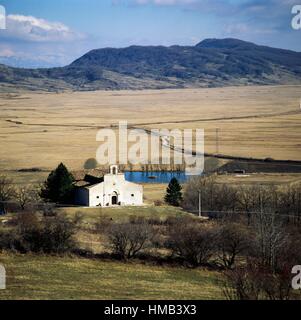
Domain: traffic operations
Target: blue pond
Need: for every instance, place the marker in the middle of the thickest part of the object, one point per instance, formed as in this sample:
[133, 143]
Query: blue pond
[155, 176]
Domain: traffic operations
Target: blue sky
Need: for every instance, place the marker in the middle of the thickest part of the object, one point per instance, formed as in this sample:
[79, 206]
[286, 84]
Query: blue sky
[55, 32]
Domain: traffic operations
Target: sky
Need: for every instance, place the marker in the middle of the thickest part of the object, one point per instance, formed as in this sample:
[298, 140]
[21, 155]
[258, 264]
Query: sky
[43, 33]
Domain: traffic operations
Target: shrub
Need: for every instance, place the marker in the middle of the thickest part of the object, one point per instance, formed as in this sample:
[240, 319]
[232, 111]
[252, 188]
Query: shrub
[48, 210]
[192, 243]
[78, 218]
[57, 235]
[9, 240]
[172, 221]
[133, 219]
[255, 281]
[41, 234]
[155, 221]
[158, 203]
[7, 192]
[128, 239]
[103, 224]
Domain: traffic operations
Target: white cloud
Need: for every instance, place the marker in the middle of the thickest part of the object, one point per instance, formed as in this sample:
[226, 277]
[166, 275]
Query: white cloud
[33, 42]
[29, 28]
[6, 52]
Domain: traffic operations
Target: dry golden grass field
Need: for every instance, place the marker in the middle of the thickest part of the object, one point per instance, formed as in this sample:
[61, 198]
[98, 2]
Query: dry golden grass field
[43, 129]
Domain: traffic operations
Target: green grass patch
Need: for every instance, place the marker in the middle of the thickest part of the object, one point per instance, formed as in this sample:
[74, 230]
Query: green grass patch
[122, 214]
[49, 277]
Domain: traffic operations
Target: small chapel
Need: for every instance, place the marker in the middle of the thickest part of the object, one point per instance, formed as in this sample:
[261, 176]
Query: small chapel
[110, 190]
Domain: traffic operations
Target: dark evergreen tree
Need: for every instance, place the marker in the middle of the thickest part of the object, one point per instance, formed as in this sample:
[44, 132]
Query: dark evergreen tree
[173, 193]
[59, 186]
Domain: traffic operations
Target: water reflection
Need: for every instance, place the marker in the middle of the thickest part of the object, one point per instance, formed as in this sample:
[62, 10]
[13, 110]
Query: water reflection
[155, 176]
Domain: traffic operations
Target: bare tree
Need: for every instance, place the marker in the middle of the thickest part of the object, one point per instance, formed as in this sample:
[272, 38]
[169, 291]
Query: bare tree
[254, 281]
[7, 191]
[127, 239]
[103, 224]
[246, 200]
[214, 196]
[271, 238]
[242, 283]
[25, 195]
[191, 193]
[232, 240]
[290, 202]
[193, 243]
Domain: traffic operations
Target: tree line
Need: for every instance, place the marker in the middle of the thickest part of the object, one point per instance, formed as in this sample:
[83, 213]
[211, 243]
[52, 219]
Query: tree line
[284, 201]
[255, 260]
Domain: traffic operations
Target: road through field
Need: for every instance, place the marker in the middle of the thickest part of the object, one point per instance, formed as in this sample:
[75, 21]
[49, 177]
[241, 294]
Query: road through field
[135, 125]
[42, 129]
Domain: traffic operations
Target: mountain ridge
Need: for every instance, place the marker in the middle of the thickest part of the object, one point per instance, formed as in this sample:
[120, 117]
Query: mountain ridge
[210, 63]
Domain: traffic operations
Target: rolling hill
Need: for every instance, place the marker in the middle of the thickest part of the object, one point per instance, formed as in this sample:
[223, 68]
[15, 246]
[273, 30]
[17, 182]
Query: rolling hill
[210, 63]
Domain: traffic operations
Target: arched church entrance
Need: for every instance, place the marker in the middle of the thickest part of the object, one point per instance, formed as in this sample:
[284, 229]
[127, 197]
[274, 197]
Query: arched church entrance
[114, 199]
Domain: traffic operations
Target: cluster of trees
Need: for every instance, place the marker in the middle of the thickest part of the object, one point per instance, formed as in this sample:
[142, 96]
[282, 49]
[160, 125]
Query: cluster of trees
[195, 242]
[33, 232]
[251, 256]
[255, 281]
[249, 200]
[20, 195]
[273, 251]
[256, 259]
[58, 188]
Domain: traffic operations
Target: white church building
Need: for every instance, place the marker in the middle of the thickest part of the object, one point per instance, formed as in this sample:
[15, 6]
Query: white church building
[110, 190]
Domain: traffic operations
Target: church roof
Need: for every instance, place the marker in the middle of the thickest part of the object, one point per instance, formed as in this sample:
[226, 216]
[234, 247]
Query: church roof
[88, 180]
[80, 174]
